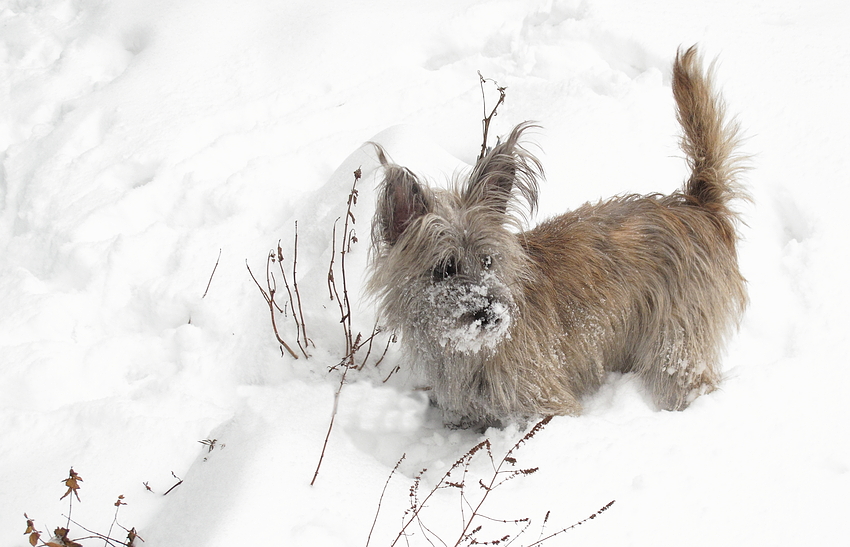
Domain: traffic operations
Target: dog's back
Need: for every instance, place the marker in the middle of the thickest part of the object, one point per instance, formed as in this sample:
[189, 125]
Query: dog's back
[650, 284]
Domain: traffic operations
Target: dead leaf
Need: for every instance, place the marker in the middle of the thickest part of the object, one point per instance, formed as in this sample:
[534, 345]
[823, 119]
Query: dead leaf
[72, 482]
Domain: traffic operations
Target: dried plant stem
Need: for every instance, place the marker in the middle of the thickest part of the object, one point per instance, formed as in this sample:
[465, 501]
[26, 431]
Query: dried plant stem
[347, 239]
[380, 360]
[269, 293]
[351, 345]
[489, 117]
[212, 274]
[471, 514]
[334, 293]
[269, 297]
[370, 340]
[330, 425]
[577, 524]
[303, 325]
[348, 359]
[94, 535]
[498, 478]
[178, 483]
[381, 499]
[300, 325]
[62, 535]
[417, 506]
[118, 505]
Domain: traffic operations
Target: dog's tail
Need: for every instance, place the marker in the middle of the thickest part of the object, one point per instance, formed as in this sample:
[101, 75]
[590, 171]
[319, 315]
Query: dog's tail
[709, 141]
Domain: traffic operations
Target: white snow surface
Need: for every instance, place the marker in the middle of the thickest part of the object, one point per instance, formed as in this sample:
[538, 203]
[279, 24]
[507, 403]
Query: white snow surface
[141, 138]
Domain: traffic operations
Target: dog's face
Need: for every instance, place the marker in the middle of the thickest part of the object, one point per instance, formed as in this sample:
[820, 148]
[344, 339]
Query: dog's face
[447, 267]
[459, 293]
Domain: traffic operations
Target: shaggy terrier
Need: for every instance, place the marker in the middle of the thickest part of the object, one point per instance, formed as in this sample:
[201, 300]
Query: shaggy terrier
[505, 323]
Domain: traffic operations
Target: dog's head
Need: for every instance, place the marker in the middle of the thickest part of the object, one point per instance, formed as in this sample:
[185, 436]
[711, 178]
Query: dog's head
[447, 264]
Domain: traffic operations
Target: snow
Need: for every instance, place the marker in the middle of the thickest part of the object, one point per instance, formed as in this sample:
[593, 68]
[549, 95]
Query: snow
[140, 139]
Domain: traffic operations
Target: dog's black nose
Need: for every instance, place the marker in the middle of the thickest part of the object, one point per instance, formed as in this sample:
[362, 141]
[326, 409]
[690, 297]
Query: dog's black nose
[486, 317]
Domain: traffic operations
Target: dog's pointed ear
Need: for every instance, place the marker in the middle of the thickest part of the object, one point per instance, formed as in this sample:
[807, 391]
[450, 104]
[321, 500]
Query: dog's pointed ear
[401, 200]
[507, 168]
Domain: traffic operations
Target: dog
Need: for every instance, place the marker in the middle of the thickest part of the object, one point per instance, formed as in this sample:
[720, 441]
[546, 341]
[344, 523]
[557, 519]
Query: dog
[506, 323]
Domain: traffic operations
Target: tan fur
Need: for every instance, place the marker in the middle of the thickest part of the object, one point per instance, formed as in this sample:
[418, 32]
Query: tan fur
[508, 324]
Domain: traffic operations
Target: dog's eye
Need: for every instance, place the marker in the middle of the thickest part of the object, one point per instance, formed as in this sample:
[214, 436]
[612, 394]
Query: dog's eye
[445, 270]
[486, 262]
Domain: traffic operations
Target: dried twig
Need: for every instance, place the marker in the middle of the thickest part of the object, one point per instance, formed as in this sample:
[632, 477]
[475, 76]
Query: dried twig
[351, 345]
[579, 523]
[337, 290]
[499, 477]
[331, 424]
[179, 482]
[303, 325]
[118, 505]
[269, 297]
[416, 507]
[300, 325]
[348, 359]
[209, 443]
[473, 518]
[62, 535]
[73, 483]
[381, 499]
[488, 117]
[212, 274]
[375, 330]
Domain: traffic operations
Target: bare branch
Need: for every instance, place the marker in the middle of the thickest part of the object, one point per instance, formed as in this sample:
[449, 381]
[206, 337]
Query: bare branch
[212, 274]
[381, 499]
[270, 301]
[488, 117]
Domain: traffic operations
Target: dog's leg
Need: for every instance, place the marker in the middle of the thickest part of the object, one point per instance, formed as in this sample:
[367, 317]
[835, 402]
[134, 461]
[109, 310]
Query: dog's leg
[682, 366]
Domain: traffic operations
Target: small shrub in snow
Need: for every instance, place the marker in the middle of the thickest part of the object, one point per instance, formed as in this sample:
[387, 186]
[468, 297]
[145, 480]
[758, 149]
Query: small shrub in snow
[477, 528]
[61, 534]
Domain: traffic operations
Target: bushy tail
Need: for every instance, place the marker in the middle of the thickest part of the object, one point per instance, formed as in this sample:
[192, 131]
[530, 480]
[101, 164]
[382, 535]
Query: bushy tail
[709, 141]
